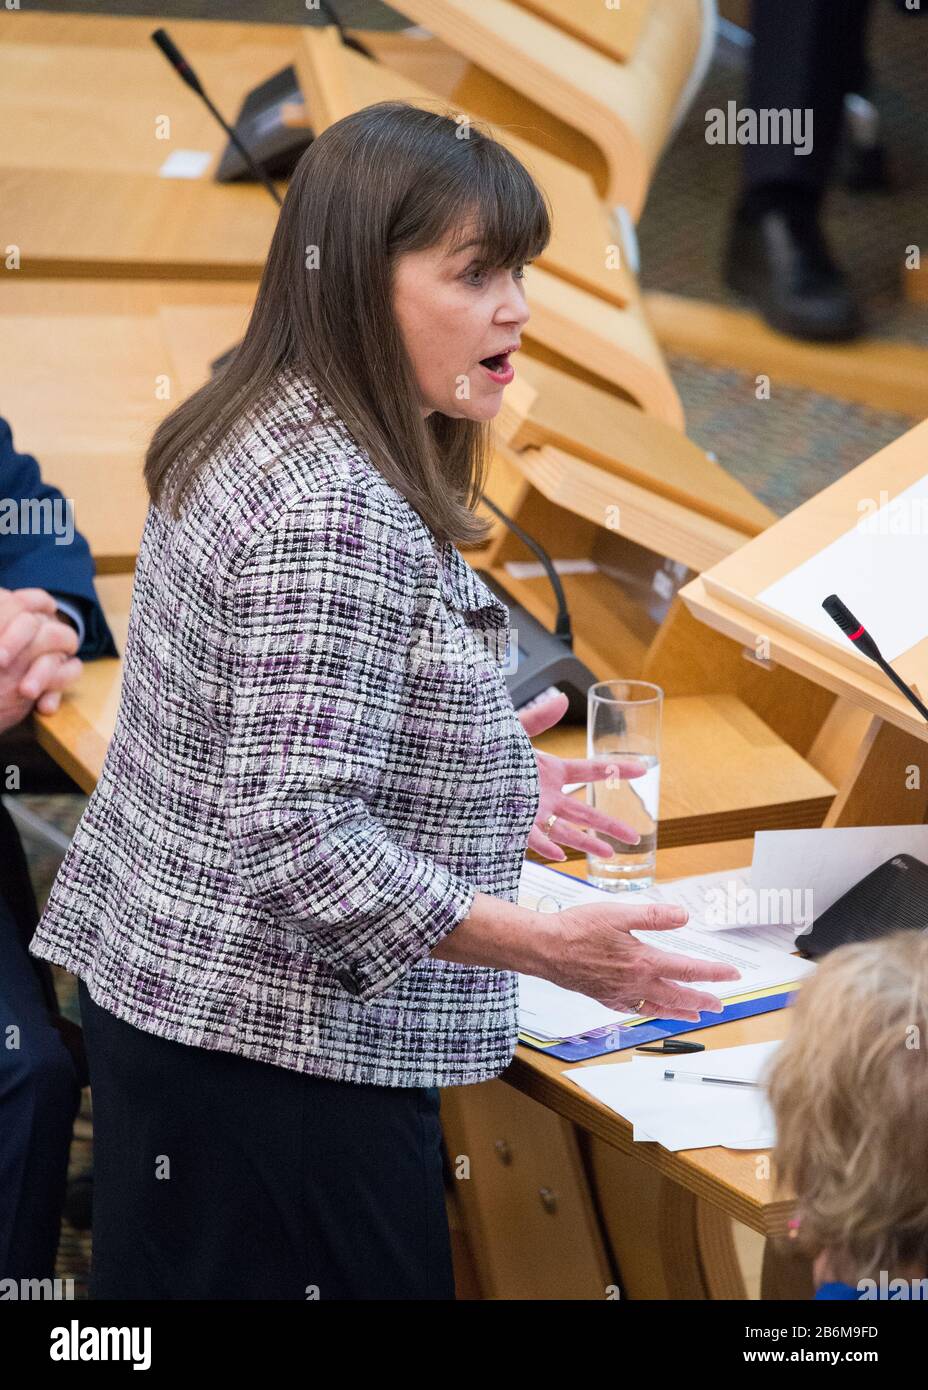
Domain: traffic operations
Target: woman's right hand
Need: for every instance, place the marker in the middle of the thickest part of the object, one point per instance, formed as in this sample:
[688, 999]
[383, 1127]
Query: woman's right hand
[590, 950]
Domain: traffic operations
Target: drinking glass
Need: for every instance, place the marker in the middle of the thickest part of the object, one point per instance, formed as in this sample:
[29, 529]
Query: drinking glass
[624, 721]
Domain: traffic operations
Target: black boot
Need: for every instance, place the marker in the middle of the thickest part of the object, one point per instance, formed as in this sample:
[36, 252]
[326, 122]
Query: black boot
[778, 258]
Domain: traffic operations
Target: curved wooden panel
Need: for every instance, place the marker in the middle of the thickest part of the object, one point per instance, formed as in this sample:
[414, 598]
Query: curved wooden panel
[627, 109]
[544, 407]
[611, 28]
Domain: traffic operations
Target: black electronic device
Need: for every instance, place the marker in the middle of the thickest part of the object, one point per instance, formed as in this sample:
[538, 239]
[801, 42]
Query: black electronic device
[259, 125]
[891, 898]
[162, 40]
[541, 661]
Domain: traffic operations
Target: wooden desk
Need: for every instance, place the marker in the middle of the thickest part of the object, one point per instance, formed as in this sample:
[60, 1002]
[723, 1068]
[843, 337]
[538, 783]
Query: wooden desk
[89, 369]
[81, 192]
[671, 1228]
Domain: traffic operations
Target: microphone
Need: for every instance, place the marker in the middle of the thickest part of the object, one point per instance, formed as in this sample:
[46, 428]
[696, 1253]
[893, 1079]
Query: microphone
[541, 664]
[855, 632]
[186, 73]
[562, 627]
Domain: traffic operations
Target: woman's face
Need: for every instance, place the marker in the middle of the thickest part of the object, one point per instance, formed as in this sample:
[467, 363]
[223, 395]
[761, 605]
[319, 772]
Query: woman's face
[452, 314]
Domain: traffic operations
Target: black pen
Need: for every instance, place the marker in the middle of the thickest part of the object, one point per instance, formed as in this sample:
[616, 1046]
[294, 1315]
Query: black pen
[672, 1045]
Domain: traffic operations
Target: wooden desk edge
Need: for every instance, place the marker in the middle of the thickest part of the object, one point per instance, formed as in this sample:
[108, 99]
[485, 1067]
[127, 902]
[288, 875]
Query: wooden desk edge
[69, 737]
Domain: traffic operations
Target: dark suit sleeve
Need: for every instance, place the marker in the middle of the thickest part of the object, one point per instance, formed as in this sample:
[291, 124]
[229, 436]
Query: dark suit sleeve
[48, 556]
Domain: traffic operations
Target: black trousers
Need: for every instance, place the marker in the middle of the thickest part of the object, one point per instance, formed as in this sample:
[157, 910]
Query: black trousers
[808, 54]
[218, 1177]
[39, 1088]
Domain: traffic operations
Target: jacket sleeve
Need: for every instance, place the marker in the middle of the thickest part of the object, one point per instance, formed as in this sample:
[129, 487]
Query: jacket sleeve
[322, 618]
[39, 559]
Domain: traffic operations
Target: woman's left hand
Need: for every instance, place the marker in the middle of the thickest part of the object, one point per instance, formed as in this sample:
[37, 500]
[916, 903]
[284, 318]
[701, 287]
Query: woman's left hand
[575, 819]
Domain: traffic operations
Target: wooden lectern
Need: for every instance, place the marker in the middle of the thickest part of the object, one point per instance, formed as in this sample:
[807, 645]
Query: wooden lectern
[871, 742]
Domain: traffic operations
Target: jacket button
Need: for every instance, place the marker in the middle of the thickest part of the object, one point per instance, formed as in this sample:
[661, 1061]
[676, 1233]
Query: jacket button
[349, 981]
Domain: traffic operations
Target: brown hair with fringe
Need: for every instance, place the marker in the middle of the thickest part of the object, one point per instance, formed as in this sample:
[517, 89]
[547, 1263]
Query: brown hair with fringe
[386, 180]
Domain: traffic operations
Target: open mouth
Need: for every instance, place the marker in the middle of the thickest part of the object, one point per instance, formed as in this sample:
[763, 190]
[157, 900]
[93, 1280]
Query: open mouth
[498, 367]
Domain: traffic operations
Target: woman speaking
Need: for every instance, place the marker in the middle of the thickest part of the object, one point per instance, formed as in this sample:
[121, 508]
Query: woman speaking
[291, 900]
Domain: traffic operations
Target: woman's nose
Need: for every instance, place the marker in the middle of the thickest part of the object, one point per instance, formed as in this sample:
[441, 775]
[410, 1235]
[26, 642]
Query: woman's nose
[514, 309]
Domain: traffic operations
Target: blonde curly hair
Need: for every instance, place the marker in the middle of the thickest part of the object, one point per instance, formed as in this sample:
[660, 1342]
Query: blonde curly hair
[849, 1092]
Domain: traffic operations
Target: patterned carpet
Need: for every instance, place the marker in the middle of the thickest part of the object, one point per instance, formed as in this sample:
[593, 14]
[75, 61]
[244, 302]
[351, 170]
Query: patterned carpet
[787, 448]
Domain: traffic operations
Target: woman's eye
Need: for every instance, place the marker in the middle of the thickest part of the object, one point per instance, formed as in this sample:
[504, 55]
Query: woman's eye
[477, 277]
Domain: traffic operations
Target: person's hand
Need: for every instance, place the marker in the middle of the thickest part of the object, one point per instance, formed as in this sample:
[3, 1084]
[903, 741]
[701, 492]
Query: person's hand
[37, 660]
[591, 951]
[575, 819]
[51, 665]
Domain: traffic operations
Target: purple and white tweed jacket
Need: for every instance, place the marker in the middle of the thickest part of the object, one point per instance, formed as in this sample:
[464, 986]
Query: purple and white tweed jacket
[316, 765]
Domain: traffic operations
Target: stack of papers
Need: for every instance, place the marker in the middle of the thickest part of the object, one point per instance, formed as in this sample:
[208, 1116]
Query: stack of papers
[547, 1012]
[682, 1114]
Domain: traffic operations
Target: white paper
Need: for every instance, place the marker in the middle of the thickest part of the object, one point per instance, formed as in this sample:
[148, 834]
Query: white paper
[547, 1011]
[749, 1061]
[538, 880]
[816, 867]
[185, 164]
[879, 569]
[680, 1115]
[731, 1117]
[701, 895]
[761, 966]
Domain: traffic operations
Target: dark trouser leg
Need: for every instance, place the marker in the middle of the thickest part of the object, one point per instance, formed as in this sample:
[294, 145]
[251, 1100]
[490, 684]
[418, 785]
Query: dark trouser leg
[219, 1177]
[16, 890]
[39, 1097]
[807, 55]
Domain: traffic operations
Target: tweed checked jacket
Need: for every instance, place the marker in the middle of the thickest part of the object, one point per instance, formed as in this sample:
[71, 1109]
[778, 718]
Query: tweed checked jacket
[316, 765]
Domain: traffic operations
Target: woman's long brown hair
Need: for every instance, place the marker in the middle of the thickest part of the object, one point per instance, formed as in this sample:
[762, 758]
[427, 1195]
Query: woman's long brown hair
[386, 180]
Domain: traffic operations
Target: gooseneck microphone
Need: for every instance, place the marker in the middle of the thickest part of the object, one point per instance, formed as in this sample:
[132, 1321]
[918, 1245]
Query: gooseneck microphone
[186, 73]
[855, 632]
[562, 627]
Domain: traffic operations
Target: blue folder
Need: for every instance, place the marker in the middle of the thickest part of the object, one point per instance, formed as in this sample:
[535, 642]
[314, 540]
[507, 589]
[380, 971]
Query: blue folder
[615, 1039]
